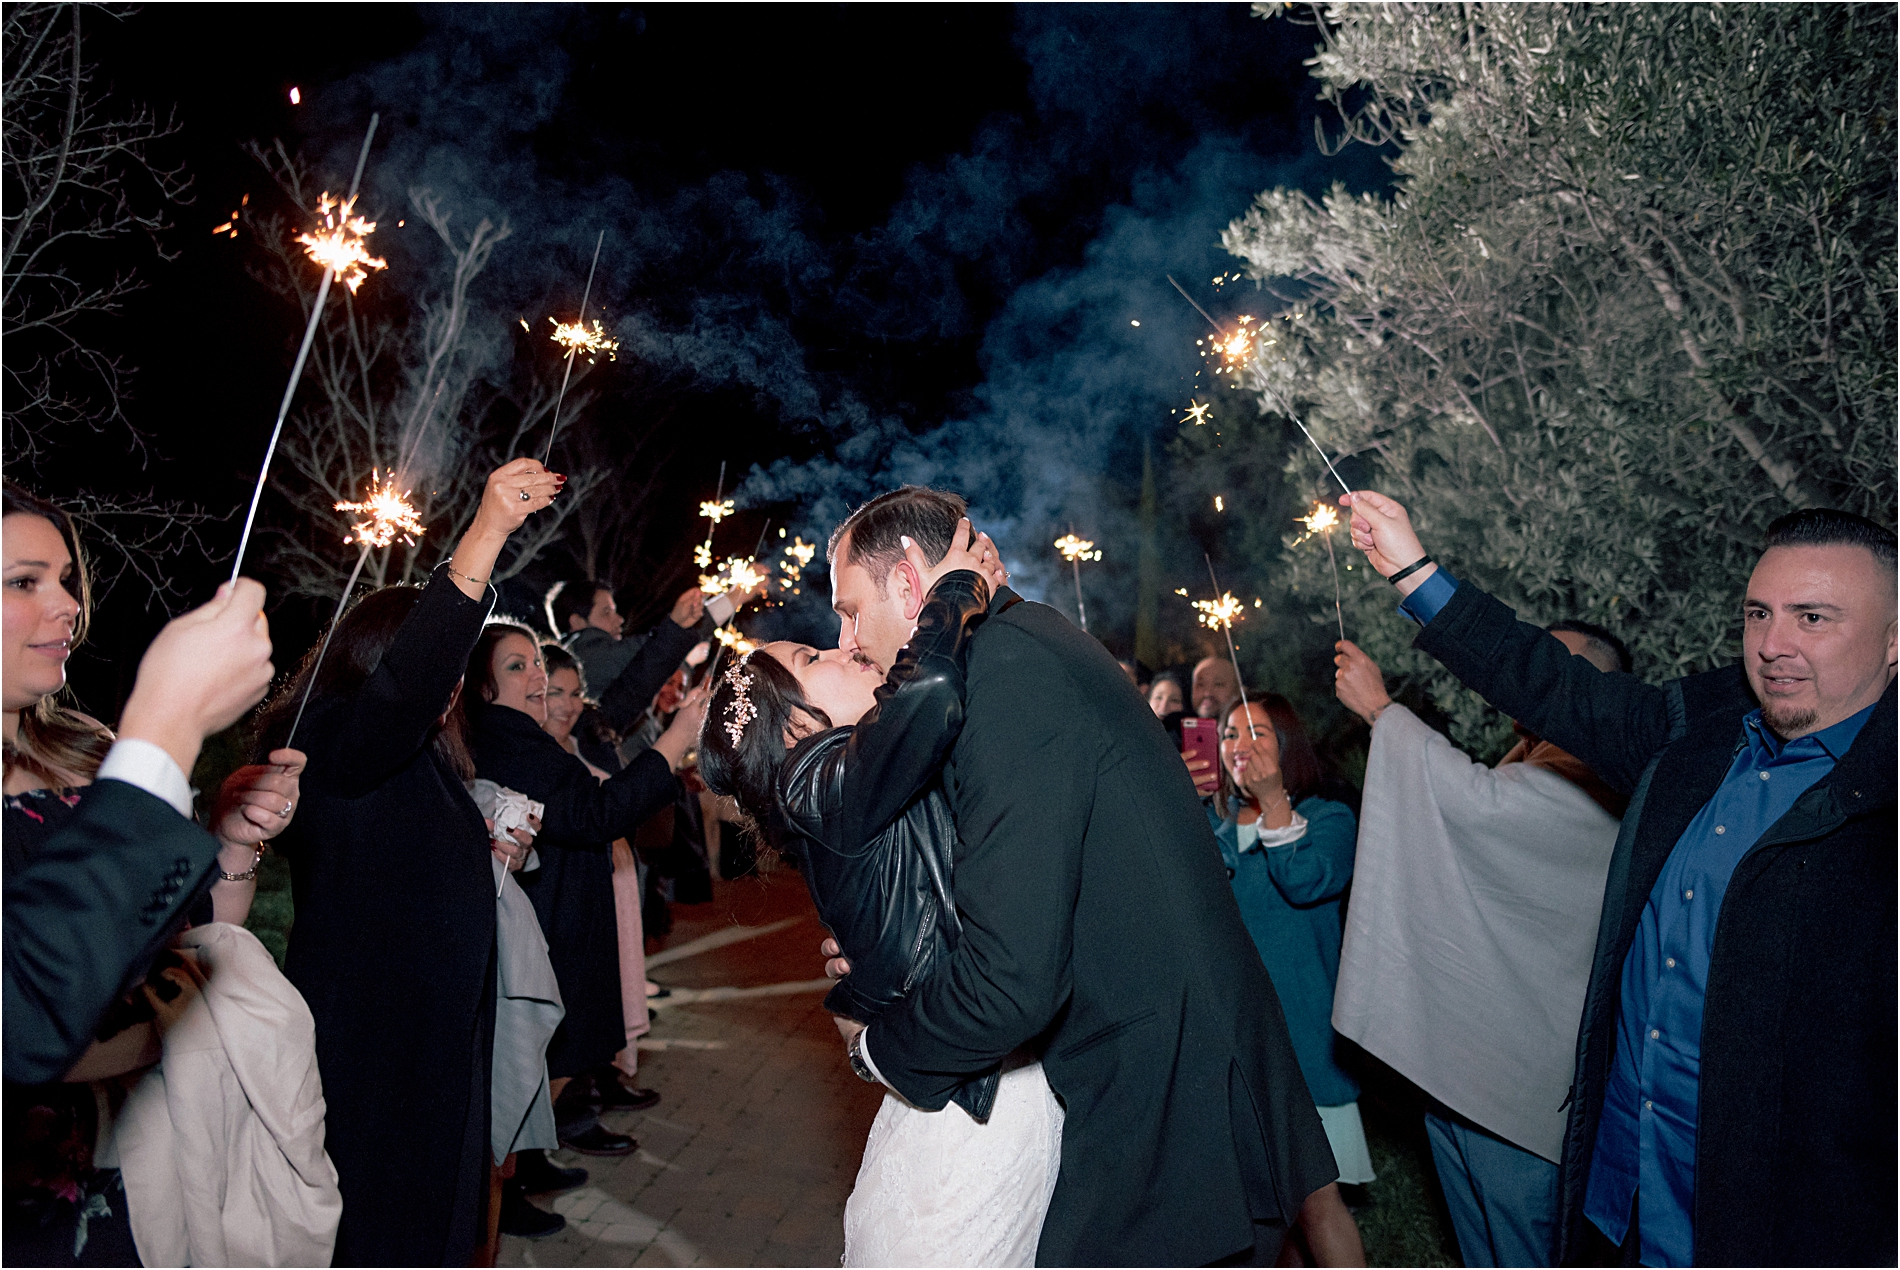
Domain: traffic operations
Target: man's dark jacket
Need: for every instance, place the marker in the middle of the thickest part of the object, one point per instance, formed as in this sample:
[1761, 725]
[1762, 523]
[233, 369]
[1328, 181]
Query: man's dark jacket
[85, 917]
[1099, 929]
[1795, 1146]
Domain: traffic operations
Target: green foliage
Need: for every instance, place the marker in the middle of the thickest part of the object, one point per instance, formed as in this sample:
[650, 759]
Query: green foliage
[1633, 297]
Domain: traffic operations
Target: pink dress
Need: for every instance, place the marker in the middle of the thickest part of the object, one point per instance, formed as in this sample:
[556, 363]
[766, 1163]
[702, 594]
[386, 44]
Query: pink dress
[633, 951]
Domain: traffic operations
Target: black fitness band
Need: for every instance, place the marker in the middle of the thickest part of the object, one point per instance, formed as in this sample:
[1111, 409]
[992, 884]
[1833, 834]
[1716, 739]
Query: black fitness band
[1410, 569]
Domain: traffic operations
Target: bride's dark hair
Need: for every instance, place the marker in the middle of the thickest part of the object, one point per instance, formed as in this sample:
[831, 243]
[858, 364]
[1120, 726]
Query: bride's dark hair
[741, 757]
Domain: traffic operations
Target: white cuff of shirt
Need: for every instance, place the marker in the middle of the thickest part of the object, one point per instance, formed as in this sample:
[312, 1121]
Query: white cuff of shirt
[1251, 836]
[149, 767]
[721, 609]
[864, 1052]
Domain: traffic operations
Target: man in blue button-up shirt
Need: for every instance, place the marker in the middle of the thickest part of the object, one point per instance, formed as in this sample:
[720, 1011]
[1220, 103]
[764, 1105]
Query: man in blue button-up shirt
[1738, 1040]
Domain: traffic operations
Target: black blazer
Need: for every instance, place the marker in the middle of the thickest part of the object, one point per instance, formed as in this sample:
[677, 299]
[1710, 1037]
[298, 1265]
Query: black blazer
[393, 947]
[572, 891]
[1795, 1148]
[1099, 928]
[86, 915]
[874, 835]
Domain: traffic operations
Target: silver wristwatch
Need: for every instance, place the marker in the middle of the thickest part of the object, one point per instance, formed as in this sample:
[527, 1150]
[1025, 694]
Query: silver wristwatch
[855, 1052]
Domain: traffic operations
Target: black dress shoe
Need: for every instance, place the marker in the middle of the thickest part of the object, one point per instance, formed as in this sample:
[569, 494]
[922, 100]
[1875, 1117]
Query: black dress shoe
[536, 1175]
[522, 1219]
[612, 1095]
[598, 1141]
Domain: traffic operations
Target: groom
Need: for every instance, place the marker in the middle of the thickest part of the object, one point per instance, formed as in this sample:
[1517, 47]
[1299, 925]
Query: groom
[1098, 931]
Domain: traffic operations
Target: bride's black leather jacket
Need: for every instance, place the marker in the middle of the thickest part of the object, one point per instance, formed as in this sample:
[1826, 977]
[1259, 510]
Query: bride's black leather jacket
[876, 839]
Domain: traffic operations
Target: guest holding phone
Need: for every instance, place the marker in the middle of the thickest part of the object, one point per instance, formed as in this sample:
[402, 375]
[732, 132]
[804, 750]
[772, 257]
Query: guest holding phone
[1287, 831]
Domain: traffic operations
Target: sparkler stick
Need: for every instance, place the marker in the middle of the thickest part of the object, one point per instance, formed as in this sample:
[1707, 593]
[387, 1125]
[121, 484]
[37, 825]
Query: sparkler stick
[1075, 551]
[1223, 613]
[1322, 456]
[1323, 519]
[309, 334]
[1197, 307]
[573, 348]
[391, 516]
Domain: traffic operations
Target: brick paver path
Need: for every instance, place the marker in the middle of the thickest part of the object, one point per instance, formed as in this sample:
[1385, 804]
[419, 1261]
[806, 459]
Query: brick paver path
[749, 1156]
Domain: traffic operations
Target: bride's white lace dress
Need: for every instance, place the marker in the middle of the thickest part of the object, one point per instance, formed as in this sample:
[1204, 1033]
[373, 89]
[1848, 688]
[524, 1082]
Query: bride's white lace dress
[938, 1189]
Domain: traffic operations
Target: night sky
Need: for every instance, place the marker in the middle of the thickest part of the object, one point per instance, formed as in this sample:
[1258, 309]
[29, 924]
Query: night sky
[854, 245]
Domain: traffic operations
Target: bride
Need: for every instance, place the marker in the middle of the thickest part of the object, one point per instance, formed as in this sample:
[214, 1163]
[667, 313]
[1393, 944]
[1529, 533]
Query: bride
[837, 767]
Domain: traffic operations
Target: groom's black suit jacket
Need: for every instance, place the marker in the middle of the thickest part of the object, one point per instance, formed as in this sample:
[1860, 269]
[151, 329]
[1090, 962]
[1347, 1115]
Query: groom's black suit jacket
[1098, 926]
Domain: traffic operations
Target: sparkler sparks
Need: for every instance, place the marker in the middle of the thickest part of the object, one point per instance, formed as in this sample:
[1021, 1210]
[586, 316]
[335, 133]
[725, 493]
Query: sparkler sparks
[1198, 412]
[1074, 549]
[591, 344]
[1221, 614]
[796, 556]
[1324, 518]
[390, 515]
[735, 574]
[717, 511]
[732, 639]
[338, 243]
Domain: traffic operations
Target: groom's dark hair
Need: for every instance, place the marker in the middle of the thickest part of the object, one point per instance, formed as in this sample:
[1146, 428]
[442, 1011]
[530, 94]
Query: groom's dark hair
[928, 517]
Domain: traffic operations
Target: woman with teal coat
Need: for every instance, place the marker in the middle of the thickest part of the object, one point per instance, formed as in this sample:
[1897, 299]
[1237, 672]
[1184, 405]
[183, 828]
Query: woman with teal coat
[1287, 839]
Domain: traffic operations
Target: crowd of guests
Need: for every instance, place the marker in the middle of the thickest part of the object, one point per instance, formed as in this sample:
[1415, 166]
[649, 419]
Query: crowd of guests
[1642, 967]
[374, 757]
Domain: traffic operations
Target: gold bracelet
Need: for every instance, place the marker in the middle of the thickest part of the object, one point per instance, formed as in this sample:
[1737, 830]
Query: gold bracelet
[455, 573]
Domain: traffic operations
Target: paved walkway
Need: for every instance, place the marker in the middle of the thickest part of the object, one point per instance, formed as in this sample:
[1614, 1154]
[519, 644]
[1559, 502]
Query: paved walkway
[754, 1146]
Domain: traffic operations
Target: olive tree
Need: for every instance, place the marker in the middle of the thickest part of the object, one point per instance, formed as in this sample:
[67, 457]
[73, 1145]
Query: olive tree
[1630, 297]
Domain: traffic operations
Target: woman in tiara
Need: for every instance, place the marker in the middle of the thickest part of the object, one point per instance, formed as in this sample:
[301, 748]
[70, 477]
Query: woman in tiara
[838, 768]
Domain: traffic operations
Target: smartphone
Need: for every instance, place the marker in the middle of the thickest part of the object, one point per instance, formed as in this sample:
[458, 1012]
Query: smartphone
[1200, 738]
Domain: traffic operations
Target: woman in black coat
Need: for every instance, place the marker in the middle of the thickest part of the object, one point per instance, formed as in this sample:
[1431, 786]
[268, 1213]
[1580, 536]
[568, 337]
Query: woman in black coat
[572, 891]
[394, 941]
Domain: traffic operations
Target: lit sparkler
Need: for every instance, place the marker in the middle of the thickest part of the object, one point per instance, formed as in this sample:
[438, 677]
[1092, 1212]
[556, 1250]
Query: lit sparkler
[1221, 614]
[1075, 551]
[1323, 519]
[795, 557]
[733, 640]
[736, 574]
[579, 339]
[338, 243]
[387, 517]
[303, 352]
[579, 325]
[390, 515]
[715, 511]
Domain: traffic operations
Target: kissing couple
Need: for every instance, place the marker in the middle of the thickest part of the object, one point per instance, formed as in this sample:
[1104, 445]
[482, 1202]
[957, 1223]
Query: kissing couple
[1041, 958]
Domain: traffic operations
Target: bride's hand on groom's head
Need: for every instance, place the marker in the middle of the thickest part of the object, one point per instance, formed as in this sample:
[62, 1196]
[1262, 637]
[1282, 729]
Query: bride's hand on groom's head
[968, 550]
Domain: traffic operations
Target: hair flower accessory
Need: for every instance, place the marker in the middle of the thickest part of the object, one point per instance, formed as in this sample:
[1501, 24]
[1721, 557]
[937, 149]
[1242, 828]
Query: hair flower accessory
[741, 711]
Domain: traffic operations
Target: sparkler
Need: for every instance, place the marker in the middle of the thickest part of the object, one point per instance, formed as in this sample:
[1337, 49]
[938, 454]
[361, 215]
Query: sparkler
[579, 340]
[1075, 551]
[1221, 614]
[794, 558]
[715, 511]
[387, 517]
[1323, 519]
[331, 257]
[736, 574]
[579, 327]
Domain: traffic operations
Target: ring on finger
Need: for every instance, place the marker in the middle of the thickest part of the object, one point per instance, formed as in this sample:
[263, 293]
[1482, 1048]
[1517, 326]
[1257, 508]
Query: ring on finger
[287, 808]
[524, 495]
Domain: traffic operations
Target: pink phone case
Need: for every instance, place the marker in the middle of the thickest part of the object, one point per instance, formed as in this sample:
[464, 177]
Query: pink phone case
[1200, 738]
